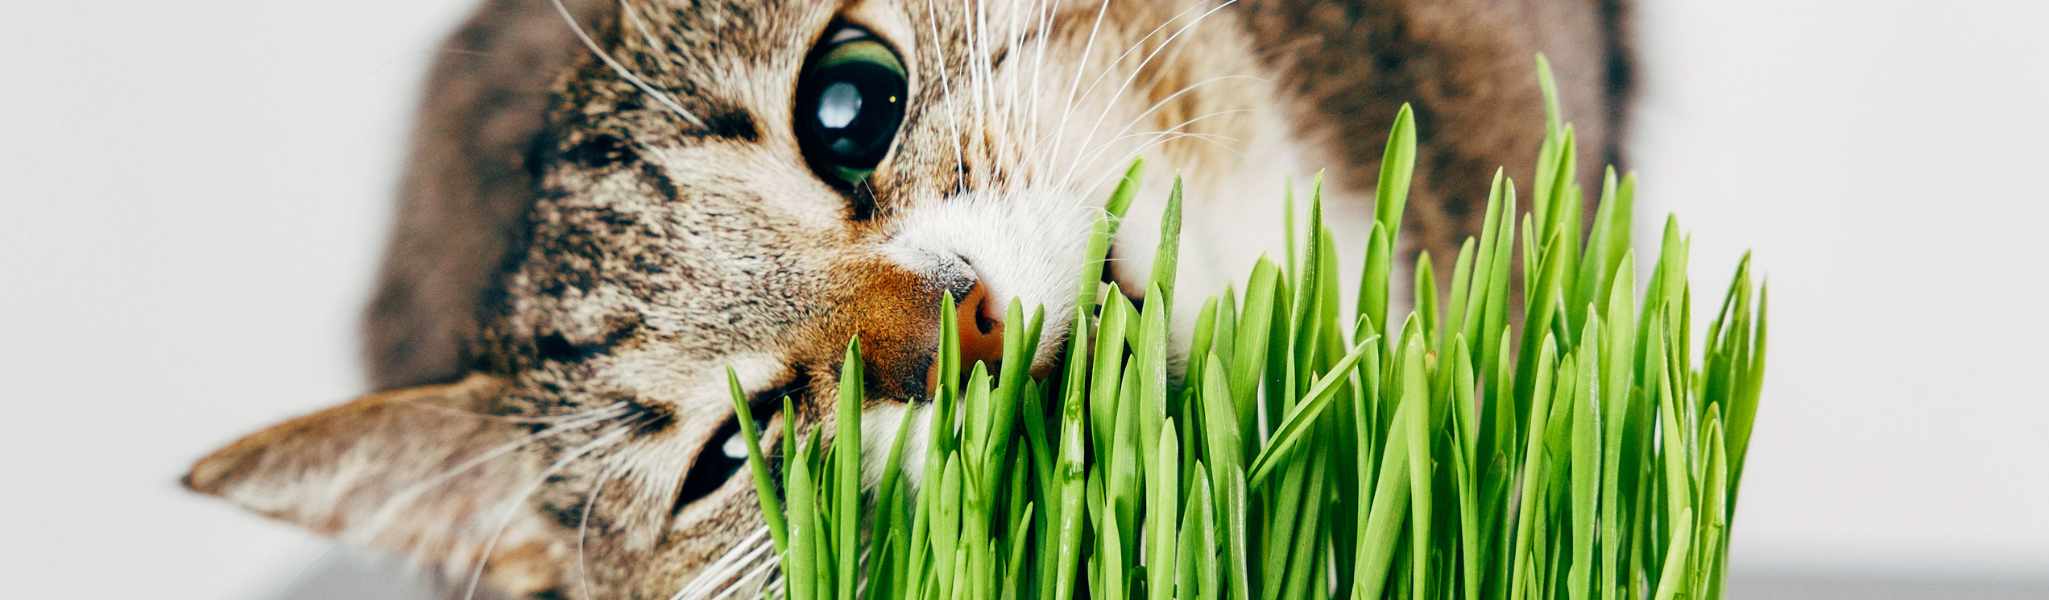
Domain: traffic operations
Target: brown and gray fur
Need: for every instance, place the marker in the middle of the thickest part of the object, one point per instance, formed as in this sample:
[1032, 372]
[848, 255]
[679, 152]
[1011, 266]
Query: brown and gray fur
[578, 259]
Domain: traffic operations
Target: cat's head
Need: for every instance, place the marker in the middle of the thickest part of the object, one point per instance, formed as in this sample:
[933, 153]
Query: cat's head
[616, 203]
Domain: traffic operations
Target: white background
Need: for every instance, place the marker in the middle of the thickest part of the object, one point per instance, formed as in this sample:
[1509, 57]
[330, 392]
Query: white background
[194, 194]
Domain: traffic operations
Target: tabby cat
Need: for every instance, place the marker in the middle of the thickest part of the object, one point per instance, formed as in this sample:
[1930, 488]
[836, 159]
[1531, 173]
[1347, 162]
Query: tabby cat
[610, 202]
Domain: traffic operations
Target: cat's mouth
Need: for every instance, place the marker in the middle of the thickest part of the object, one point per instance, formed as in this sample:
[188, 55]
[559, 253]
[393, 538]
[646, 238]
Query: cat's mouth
[724, 454]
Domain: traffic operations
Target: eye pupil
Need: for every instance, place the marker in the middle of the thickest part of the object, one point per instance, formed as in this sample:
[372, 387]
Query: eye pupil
[849, 107]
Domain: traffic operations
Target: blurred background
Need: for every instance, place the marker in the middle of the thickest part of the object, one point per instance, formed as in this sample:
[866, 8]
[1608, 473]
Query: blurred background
[196, 195]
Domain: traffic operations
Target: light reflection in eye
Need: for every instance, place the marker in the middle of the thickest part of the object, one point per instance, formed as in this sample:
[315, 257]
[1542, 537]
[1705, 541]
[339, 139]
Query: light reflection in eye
[839, 104]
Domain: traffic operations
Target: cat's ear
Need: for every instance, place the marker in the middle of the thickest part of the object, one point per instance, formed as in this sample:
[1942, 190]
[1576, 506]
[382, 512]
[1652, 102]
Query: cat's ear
[423, 472]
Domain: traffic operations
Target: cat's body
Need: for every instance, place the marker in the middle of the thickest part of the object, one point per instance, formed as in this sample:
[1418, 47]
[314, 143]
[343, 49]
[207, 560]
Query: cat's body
[590, 234]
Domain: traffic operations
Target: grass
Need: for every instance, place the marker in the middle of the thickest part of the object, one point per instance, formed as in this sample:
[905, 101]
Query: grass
[1312, 450]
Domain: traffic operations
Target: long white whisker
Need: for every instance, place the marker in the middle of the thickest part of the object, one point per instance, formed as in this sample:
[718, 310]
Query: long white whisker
[978, 58]
[1163, 102]
[1080, 64]
[1101, 75]
[1176, 135]
[624, 73]
[741, 570]
[1159, 138]
[1093, 152]
[1044, 11]
[1112, 104]
[759, 570]
[1109, 67]
[714, 571]
[960, 159]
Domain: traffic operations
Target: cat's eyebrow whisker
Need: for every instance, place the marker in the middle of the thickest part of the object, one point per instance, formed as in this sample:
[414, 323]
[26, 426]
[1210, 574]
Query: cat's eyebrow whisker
[624, 73]
[1135, 71]
[512, 504]
[633, 18]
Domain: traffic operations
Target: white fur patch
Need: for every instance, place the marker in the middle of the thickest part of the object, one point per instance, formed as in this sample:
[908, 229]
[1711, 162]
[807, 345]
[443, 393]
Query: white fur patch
[878, 433]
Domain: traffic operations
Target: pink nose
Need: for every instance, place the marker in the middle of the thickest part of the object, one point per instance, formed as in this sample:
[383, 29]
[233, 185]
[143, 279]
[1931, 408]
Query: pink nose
[981, 328]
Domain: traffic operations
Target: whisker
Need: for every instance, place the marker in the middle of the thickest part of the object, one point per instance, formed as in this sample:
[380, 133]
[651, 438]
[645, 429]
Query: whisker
[1169, 43]
[1100, 180]
[1163, 102]
[1177, 127]
[978, 59]
[1031, 111]
[1037, 133]
[1172, 135]
[960, 160]
[624, 73]
[714, 572]
[1080, 64]
[1108, 68]
[745, 570]
[765, 567]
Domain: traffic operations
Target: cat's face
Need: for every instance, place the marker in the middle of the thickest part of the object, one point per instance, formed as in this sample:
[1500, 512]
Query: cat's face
[748, 185]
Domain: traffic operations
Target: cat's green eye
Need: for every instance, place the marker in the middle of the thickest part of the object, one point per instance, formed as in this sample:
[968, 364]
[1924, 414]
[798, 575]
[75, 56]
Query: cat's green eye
[850, 102]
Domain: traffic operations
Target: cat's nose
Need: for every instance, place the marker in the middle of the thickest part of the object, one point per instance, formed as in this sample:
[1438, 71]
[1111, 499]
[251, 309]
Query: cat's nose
[980, 319]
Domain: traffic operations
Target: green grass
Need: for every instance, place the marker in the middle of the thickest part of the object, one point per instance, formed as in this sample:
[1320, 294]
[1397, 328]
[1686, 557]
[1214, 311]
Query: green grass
[1311, 450]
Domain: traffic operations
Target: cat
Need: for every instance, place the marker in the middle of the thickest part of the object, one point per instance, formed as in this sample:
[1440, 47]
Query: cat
[611, 202]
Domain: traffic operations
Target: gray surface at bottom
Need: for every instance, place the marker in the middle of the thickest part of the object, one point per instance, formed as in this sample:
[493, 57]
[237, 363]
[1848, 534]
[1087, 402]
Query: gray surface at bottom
[349, 578]
[1873, 586]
